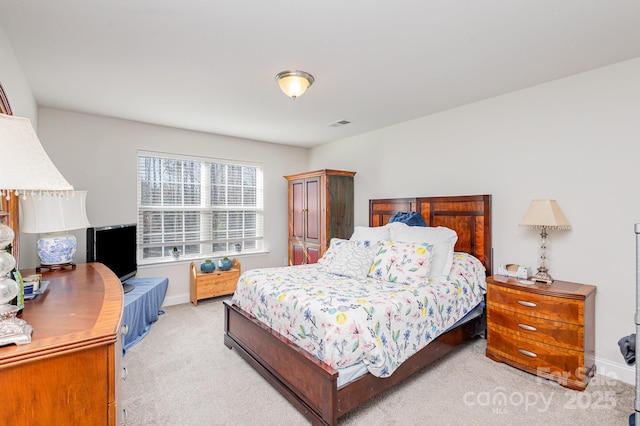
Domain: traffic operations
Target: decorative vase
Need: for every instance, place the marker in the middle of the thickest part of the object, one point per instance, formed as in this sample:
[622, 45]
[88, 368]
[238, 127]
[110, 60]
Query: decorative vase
[207, 267]
[56, 248]
[225, 264]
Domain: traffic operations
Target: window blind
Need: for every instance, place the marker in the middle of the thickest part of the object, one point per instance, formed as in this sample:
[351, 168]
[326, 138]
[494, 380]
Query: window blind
[204, 207]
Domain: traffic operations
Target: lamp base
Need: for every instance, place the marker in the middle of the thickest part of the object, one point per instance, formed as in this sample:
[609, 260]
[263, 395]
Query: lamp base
[56, 267]
[56, 248]
[542, 276]
[13, 330]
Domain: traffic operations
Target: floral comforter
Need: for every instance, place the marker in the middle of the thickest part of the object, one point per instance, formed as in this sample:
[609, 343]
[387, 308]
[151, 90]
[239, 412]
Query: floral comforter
[343, 321]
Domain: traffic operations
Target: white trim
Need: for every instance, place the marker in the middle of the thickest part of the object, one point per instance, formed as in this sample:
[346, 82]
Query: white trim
[149, 263]
[174, 156]
[619, 371]
[180, 299]
[177, 299]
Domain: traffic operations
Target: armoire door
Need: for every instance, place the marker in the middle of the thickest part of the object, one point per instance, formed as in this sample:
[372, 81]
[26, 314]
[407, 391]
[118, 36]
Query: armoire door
[297, 209]
[313, 231]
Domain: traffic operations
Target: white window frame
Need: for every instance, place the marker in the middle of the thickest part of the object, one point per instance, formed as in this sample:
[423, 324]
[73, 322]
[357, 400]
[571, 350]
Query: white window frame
[155, 242]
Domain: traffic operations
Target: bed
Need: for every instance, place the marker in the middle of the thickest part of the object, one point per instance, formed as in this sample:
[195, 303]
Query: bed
[313, 386]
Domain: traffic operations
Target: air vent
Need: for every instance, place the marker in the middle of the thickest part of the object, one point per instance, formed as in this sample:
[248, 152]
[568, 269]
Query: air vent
[339, 123]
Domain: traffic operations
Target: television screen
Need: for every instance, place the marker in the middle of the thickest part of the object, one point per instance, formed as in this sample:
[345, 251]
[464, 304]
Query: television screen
[115, 247]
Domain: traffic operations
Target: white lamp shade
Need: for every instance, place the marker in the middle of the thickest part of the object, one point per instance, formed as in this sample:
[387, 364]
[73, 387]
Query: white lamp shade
[26, 166]
[54, 213]
[545, 213]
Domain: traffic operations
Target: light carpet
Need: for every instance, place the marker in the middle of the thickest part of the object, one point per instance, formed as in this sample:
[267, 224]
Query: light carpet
[182, 374]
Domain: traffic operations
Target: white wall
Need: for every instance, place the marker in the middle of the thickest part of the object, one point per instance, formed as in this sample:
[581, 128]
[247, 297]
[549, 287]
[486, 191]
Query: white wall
[15, 85]
[99, 154]
[576, 140]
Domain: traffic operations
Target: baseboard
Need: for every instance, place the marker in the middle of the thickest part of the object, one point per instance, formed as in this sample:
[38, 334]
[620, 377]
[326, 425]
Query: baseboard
[623, 372]
[177, 299]
[185, 298]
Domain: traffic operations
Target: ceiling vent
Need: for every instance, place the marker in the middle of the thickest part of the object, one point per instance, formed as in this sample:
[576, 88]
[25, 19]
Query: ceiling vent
[339, 123]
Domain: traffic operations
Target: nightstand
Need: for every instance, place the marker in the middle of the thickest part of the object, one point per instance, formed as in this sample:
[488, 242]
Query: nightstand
[544, 330]
[212, 284]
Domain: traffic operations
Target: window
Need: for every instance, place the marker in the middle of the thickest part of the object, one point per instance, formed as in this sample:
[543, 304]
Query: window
[204, 207]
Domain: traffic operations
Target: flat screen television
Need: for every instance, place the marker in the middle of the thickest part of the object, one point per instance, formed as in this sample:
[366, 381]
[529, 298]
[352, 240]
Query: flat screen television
[114, 246]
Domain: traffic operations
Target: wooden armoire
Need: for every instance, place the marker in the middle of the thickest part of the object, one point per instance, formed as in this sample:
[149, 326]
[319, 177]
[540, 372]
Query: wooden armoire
[320, 208]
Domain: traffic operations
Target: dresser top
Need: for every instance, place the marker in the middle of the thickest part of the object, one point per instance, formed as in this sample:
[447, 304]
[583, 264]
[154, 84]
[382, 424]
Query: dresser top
[81, 307]
[558, 288]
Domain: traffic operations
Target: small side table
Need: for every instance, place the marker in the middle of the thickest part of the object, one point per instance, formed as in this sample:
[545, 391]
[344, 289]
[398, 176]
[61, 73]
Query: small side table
[548, 330]
[213, 284]
[141, 308]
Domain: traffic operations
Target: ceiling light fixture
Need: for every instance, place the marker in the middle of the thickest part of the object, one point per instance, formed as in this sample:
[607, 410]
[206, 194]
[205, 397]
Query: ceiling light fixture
[294, 83]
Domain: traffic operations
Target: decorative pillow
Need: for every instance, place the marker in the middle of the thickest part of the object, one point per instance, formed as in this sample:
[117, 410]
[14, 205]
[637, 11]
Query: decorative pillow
[406, 263]
[409, 218]
[352, 260]
[329, 255]
[369, 236]
[443, 241]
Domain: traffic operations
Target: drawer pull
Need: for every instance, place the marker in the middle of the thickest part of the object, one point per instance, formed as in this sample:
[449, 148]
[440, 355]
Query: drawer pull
[124, 329]
[527, 327]
[527, 353]
[124, 373]
[528, 304]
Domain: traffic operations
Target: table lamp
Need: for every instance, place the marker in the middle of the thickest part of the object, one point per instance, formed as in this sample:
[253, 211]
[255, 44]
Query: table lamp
[52, 216]
[544, 214]
[28, 171]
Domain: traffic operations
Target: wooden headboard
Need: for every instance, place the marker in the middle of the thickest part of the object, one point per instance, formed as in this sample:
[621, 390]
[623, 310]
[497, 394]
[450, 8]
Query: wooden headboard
[468, 215]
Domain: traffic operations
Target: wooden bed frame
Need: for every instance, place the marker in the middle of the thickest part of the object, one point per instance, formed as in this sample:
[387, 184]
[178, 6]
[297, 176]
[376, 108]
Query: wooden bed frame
[309, 384]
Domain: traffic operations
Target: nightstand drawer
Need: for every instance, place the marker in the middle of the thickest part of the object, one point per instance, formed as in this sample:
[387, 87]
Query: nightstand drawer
[546, 330]
[553, 308]
[541, 358]
[555, 333]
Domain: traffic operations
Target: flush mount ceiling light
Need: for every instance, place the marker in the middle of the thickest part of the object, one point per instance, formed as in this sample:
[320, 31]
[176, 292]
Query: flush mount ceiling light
[294, 83]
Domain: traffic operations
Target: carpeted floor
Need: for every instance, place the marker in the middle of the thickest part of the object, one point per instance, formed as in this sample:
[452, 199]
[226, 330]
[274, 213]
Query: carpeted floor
[182, 374]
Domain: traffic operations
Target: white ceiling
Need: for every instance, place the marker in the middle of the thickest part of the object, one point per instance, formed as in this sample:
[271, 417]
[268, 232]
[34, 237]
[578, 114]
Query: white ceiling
[210, 65]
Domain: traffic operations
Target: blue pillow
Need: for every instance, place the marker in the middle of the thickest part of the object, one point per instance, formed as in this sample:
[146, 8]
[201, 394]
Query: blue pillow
[409, 218]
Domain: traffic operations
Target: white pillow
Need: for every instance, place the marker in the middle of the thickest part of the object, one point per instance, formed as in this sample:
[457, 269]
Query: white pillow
[370, 236]
[352, 260]
[443, 241]
[399, 262]
[330, 254]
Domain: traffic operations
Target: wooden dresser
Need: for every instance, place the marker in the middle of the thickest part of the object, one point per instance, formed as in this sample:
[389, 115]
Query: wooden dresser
[544, 330]
[212, 284]
[70, 372]
[320, 208]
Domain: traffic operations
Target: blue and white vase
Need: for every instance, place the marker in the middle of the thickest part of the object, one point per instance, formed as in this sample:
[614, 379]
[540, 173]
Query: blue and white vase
[56, 249]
